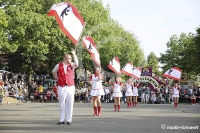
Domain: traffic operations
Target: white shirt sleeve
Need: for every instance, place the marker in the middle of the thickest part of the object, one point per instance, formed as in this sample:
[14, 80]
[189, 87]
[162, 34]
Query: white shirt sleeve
[73, 65]
[56, 68]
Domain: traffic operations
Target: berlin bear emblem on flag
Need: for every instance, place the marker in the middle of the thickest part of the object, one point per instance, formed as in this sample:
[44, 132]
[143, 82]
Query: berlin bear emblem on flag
[65, 12]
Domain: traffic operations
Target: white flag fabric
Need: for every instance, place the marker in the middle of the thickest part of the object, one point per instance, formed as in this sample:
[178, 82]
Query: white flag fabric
[69, 19]
[173, 73]
[127, 69]
[114, 65]
[89, 44]
[136, 72]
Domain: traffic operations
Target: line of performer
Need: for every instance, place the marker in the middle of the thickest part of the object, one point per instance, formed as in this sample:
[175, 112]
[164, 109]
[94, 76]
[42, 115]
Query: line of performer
[131, 92]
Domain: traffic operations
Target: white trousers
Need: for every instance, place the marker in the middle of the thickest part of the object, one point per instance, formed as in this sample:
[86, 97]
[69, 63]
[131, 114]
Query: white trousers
[66, 101]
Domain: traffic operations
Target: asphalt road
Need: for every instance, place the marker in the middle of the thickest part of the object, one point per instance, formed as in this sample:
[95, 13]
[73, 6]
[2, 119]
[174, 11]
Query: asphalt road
[146, 118]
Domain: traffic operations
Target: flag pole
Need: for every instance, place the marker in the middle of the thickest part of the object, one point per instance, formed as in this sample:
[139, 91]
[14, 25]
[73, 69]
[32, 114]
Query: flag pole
[80, 36]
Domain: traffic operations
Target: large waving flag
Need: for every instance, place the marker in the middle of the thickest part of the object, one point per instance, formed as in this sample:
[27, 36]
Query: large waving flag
[89, 44]
[173, 73]
[114, 65]
[69, 20]
[136, 72]
[127, 69]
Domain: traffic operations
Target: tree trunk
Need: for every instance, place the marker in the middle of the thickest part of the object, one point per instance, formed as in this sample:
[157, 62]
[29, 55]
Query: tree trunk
[29, 77]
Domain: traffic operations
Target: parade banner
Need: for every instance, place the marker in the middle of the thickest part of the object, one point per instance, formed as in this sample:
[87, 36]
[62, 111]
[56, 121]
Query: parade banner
[150, 79]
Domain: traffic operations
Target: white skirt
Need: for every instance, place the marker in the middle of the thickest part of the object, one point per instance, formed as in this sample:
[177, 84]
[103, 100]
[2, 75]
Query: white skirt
[128, 94]
[135, 94]
[97, 92]
[175, 95]
[117, 94]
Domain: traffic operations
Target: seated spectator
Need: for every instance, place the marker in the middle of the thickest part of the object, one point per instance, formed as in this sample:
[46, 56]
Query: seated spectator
[32, 97]
[152, 99]
[83, 93]
[1, 95]
[86, 96]
[111, 100]
[21, 97]
[6, 93]
[198, 91]
[1, 82]
[41, 98]
[40, 89]
[52, 96]
[37, 97]
[55, 90]
[16, 93]
[48, 95]
[76, 95]
[162, 100]
[193, 99]
[182, 92]
[189, 91]
[195, 89]
[158, 100]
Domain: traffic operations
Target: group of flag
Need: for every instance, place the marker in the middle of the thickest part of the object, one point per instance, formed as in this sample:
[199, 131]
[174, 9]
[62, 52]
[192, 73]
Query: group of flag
[72, 25]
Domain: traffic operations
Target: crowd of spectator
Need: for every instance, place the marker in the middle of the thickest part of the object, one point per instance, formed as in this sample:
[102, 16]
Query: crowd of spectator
[163, 95]
[14, 85]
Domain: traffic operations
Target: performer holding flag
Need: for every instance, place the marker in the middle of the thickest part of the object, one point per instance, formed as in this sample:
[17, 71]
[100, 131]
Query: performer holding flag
[97, 90]
[135, 94]
[176, 90]
[129, 92]
[117, 94]
[174, 73]
[96, 78]
[72, 24]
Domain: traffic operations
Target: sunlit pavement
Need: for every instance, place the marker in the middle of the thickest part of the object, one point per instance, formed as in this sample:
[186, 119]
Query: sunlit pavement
[146, 118]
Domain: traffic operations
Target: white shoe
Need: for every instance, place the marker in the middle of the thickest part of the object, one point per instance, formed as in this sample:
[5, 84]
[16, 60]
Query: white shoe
[172, 103]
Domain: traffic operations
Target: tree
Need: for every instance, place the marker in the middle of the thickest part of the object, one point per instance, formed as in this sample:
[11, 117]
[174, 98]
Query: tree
[3, 26]
[152, 61]
[30, 32]
[183, 53]
[36, 41]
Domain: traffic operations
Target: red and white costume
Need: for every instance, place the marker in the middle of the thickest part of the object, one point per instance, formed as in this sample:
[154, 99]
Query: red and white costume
[97, 88]
[135, 91]
[129, 91]
[175, 92]
[66, 90]
[117, 89]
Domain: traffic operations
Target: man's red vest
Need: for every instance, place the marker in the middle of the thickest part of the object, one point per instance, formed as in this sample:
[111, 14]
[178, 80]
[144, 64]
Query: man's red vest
[65, 79]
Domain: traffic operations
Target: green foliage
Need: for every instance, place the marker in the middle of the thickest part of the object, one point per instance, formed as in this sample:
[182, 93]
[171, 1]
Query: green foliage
[183, 52]
[35, 40]
[3, 26]
[152, 61]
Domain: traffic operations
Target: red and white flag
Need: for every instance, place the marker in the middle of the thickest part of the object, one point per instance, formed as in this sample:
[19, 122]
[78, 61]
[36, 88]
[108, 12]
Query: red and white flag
[173, 73]
[127, 69]
[69, 20]
[89, 44]
[136, 72]
[114, 65]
